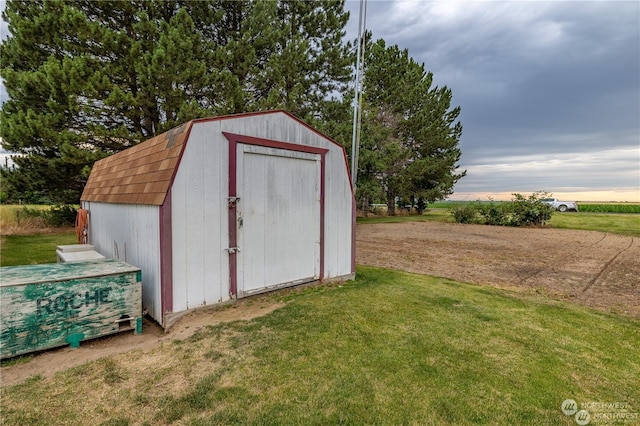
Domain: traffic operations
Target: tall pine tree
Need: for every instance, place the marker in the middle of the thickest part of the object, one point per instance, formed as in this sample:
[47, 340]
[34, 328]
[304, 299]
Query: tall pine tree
[410, 136]
[89, 78]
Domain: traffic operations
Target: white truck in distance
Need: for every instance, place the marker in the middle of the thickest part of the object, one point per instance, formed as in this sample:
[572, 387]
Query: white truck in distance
[561, 206]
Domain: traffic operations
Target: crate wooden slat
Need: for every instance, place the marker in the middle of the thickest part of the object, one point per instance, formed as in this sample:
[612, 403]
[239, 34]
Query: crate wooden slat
[50, 305]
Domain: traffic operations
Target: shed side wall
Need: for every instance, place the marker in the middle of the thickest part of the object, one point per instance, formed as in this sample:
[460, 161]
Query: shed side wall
[130, 232]
[200, 221]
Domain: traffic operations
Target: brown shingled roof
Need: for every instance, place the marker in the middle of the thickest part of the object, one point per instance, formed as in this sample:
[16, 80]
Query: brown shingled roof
[139, 175]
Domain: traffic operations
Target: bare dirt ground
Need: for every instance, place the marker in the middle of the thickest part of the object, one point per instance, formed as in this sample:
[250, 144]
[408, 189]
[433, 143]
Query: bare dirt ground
[592, 268]
[47, 363]
[596, 269]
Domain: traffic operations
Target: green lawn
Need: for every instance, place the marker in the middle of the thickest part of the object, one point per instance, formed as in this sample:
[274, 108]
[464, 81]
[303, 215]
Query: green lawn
[30, 249]
[387, 348]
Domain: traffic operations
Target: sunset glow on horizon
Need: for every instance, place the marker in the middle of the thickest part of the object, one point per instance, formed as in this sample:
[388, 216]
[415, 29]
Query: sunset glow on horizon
[627, 195]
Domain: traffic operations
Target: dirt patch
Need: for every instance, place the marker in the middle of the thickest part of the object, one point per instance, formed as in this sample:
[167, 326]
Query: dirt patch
[596, 269]
[47, 363]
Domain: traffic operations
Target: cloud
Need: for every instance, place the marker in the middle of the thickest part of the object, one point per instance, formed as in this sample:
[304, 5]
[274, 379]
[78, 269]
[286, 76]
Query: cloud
[543, 86]
[598, 170]
[4, 25]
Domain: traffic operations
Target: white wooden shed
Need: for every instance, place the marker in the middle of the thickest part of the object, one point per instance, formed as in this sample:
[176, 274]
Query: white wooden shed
[225, 207]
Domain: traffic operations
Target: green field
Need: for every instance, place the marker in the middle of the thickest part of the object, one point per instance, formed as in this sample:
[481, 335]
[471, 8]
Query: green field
[27, 238]
[40, 248]
[610, 208]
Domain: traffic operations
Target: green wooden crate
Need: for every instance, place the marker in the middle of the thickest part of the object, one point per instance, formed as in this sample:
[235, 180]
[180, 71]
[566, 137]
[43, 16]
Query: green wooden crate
[45, 306]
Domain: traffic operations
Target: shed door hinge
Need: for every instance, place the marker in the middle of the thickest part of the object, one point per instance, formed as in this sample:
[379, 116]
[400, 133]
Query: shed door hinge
[233, 201]
[233, 250]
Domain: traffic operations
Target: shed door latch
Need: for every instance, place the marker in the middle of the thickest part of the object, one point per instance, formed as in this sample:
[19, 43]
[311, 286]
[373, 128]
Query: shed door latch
[233, 250]
[233, 201]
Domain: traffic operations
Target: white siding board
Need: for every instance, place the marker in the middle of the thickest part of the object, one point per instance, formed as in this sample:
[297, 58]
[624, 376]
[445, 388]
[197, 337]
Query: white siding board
[216, 232]
[339, 214]
[201, 264]
[179, 241]
[250, 274]
[215, 193]
[134, 231]
[192, 166]
[217, 229]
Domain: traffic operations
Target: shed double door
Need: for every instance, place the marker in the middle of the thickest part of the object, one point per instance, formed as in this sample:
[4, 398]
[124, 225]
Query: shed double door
[277, 218]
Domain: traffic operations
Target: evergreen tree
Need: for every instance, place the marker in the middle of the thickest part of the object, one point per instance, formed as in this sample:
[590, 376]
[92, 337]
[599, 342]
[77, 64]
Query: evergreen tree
[89, 78]
[409, 149]
[286, 54]
[309, 60]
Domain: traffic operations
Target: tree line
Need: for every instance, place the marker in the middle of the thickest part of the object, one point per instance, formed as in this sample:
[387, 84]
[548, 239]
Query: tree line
[87, 79]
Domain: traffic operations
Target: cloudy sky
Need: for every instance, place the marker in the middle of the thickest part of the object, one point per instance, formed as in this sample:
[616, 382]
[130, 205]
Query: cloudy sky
[549, 91]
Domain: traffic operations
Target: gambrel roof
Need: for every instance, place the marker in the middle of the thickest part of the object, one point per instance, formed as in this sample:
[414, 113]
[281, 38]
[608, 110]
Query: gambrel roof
[139, 175]
[143, 174]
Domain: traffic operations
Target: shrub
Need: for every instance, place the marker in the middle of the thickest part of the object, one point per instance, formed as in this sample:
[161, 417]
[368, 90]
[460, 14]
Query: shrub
[530, 210]
[61, 215]
[521, 211]
[482, 213]
[495, 214]
[469, 213]
[57, 215]
[30, 213]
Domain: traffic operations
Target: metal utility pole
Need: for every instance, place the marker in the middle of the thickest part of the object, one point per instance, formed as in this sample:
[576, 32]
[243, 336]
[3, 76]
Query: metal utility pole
[357, 94]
